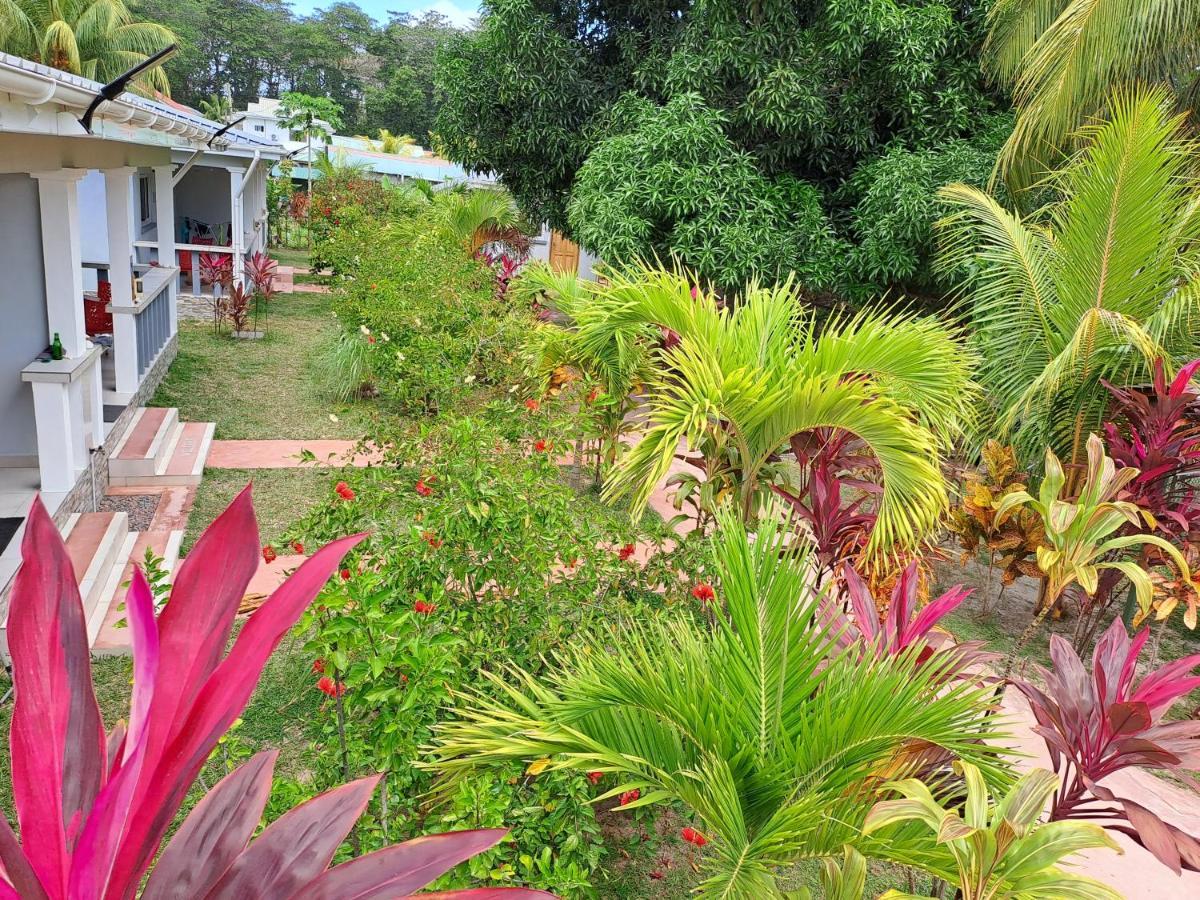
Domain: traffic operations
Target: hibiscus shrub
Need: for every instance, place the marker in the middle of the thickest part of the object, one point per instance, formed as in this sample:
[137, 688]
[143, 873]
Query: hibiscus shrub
[480, 555]
[434, 328]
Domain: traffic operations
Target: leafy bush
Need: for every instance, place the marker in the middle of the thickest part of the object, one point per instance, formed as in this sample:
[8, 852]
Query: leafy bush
[479, 556]
[428, 311]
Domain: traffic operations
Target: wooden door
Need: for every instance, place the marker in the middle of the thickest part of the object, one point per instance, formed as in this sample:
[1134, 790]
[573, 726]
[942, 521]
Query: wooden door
[564, 254]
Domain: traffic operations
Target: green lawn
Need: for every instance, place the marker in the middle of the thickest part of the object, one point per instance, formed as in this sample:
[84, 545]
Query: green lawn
[281, 496]
[273, 388]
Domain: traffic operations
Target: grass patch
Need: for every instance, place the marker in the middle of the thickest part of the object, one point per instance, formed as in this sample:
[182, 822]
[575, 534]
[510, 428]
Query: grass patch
[281, 496]
[273, 388]
[291, 256]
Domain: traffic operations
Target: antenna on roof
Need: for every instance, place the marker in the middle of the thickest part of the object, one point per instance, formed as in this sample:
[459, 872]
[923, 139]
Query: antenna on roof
[116, 87]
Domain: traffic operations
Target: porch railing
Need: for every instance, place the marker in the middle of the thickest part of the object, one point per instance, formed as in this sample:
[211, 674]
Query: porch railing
[151, 313]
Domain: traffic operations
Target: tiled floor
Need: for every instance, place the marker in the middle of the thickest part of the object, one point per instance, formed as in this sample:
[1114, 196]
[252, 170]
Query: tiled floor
[285, 454]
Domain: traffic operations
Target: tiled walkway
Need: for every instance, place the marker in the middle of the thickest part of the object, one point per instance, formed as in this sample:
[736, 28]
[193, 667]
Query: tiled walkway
[273, 454]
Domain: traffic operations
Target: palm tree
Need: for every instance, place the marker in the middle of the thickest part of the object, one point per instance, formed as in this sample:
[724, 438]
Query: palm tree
[776, 746]
[217, 107]
[1092, 288]
[740, 380]
[393, 143]
[98, 39]
[1064, 59]
[480, 217]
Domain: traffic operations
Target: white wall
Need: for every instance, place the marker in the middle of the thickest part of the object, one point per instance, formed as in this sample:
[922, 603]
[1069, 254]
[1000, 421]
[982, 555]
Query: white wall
[22, 311]
[204, 194]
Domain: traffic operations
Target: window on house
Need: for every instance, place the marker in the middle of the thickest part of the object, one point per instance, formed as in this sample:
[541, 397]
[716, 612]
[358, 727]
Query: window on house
[145, 199]
[259, 128]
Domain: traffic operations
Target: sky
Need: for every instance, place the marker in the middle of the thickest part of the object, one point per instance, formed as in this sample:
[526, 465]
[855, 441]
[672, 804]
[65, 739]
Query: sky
[460, 12]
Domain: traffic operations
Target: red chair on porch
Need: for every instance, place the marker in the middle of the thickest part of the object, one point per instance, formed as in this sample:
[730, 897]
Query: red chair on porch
[96, 319]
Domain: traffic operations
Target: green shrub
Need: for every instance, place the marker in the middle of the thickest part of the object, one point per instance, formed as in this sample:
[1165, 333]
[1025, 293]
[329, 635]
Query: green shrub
[435, 329]
[480, 555]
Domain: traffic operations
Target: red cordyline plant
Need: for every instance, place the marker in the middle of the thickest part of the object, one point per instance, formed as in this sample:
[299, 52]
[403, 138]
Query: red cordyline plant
[93, 807]
[837, 526]
[261, 269]
[1156, 433]
[1099, 722]
[906, 626]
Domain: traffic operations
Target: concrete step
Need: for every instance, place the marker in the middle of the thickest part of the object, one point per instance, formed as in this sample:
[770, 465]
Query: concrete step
[146, 445]
[110, 638]
[181, 462]
[98, 545]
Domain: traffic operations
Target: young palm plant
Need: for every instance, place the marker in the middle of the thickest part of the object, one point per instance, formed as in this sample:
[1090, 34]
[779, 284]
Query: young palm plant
[1091, 289]
[999, 849]
[742, 379]
[480, 217]
[775, 745]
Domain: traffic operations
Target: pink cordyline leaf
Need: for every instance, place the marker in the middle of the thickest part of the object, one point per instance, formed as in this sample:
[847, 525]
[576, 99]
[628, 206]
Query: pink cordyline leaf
[410, 866]
[214, 834]
[56, 736]
[1097, 721]
[297, 847]
[93, 811]
[221, 700]
[477, 894]
[92, 862]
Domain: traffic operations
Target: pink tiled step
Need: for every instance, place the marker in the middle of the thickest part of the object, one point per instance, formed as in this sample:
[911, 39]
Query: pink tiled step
[99, 545]
[160, 451]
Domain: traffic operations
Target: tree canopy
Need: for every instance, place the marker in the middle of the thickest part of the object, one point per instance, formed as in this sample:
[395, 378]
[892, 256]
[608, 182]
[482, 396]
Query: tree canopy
[716, 131]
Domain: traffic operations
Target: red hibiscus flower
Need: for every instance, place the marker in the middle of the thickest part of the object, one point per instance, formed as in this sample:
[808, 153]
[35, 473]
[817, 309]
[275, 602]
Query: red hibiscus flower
[431, 539]
[344, 491]
[704, 592]
[657, 875]
[345, 573]
[298, 547]
[626, 552]
[329, 687]
[371, 339]
[532, 405]
[629, 796]
[594, 777]
[423, 608]
[692, 836]
[592, 395]
[269, 554]
[319, 666]
[542, 445]
[422, 488]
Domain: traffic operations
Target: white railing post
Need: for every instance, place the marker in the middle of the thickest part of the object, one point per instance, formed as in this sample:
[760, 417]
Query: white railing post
[164, 198]
[118, 193]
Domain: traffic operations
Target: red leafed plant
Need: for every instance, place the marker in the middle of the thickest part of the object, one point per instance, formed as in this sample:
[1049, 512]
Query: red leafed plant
[93, 807]
[906, 626]
[260, 269]
[1157, 433]
[838, 526]
[1098, 722]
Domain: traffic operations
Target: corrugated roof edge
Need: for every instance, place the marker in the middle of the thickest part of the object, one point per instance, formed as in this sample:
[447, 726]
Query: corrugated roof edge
[239, 138]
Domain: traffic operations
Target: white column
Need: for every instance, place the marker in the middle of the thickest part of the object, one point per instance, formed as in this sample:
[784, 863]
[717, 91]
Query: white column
[118, 192]
[164, 200]
[237, 225]
[56, 436]
[58, 197]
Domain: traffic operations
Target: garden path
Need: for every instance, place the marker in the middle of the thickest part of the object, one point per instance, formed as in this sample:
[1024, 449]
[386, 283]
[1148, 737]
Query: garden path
[285, 454]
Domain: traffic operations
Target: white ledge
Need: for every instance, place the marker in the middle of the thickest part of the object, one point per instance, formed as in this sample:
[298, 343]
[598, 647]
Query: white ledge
[61, 371]
[153, 283]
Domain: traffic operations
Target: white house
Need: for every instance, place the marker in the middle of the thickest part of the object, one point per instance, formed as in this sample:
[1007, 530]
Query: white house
[119, 205]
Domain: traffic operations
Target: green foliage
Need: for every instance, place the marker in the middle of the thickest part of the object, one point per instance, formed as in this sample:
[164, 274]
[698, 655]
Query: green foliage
[478, 555]
[725, 133]
[1092, 288]
[99, 39]
[1000, 850]
[744, 378]
[746, 719]
[435, 330]
[306, 115]
[675, 184]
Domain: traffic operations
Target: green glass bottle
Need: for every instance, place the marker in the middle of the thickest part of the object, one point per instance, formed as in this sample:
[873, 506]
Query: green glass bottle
[56, 347]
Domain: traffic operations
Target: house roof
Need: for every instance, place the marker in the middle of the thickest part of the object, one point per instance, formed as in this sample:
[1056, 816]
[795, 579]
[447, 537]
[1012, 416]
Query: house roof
[38, 85]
